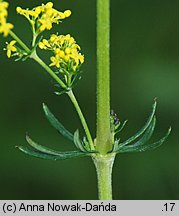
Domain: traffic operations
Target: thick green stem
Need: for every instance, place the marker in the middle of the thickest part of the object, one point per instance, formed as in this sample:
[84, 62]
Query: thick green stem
[103, 141]
[103, 161]
[104, 165]
[82, 118]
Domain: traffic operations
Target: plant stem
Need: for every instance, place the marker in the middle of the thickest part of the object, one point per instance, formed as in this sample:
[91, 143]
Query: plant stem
[82, 118]
[104, 165]
[21, 43]
[103, 161]
[34, 39]
[103, 141]
[33, 33]
[37, 59]
[70, 94]
[48, 69]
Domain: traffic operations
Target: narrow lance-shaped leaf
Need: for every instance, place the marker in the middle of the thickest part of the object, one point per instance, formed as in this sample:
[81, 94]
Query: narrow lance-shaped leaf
[78, 142]
[60, 92]
[121, 127]
[152, 146]
[56, 124]
[142, 141]
[156, 144]
[63, 156]
[142, 130]
[116, 146]
[43, 149]
[147, 135]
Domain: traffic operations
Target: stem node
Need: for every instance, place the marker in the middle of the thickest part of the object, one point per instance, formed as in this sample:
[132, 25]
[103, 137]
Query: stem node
[104, 165]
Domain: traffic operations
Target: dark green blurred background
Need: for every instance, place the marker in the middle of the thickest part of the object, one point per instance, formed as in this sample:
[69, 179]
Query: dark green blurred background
[144, 65]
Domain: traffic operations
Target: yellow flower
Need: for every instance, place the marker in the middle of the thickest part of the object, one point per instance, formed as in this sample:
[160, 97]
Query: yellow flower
[18, 9]
[67, 13]
[43, 17]
[3, 5]
[42, 45]
[55, 61]
[27, 13]
[60, 53]
[46, 43]
[5, 28]
[81, 58]
[53, 38]
[68, 50]
[66, 58]
[11, 48]
[22, 11]
[3, 14]
[37, 11]
[3, 11]
[61, 15]
[49, 5]
[46, 23]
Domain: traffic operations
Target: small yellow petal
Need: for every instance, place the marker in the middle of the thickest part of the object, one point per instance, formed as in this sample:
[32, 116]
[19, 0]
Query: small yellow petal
[67, 13]
[62, 15]
[13, 49]
[60, 53]
[67, 57]
[67, 50]
[18, 9]
[8, 53]
[41, 45]
[49, 4]
[45, 42]
[13, 42]
[37, 10]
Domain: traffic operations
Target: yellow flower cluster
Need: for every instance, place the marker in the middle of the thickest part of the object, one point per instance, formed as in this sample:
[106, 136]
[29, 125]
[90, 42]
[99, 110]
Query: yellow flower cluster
[66, 51]
[4, 26]
[45, 15]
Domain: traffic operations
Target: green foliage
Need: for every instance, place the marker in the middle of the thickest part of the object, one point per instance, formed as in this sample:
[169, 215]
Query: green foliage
[145, 133]
[143, 129]
[56, 124]
[66, 71]
[120, 128]
[136, 143]
[143, 146]
[60, 156]
[78, 142]
[40, 151]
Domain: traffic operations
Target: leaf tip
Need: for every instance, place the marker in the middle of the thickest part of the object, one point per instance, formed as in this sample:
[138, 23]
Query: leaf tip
[155, 99]
[155, 104]
[19, 147]
[27, 137]
[44, 106]
[29, 140]
[169, 131]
